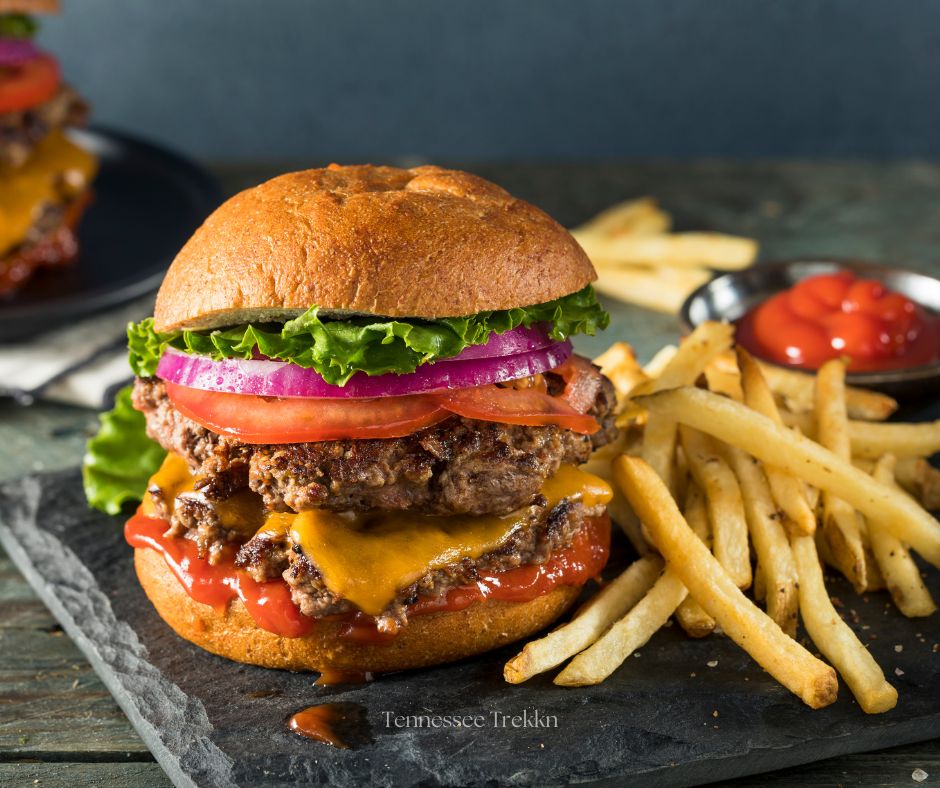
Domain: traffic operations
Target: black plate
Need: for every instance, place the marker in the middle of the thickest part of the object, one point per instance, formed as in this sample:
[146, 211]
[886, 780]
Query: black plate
[148, 201]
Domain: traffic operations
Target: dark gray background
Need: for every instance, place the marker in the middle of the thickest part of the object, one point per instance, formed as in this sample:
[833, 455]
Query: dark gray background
[498, 79]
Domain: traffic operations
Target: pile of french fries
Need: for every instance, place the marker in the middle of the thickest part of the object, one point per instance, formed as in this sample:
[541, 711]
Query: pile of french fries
[638, 260]
[730, 475]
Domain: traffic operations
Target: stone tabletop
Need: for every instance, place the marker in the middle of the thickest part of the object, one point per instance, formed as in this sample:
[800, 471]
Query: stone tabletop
[884, 212]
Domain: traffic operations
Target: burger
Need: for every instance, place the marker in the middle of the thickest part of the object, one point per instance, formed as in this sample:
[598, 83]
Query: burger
[359, 387]
[44, 177]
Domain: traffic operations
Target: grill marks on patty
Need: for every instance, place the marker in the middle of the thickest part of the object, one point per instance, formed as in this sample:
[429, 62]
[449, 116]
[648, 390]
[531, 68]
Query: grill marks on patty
[544, 531]
[458, 466]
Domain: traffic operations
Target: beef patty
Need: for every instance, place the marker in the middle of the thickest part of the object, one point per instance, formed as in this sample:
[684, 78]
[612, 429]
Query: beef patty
[50, 243]
[458, 466]
[544, 530]
[21, 131]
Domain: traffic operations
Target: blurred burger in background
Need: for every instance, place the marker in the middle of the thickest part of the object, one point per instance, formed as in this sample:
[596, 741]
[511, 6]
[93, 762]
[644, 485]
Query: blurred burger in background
[44, 177]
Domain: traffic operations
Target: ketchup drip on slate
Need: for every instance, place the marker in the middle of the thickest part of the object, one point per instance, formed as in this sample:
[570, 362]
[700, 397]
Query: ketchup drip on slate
[329, 677]
[344, 725]
[319, 723]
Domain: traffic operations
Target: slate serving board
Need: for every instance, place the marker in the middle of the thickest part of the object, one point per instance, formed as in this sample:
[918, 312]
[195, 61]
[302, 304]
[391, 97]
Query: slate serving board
[681, 712]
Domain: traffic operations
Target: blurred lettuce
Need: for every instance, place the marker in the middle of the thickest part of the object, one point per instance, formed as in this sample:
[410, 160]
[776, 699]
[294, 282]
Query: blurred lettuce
[337, 349]
[17, 26]
[120, 459]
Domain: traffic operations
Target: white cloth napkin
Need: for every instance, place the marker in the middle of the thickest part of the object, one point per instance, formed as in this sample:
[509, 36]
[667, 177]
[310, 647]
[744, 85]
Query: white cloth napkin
[79, 364]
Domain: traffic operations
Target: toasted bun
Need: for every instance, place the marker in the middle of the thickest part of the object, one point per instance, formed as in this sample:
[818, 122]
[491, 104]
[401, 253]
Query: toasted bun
[29, 7]
[424, 242]
[429, 639]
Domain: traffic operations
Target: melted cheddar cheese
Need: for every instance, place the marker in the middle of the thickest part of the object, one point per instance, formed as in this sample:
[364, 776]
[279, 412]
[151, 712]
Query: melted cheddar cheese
[243, 512]
[369, 557]
[56, 171]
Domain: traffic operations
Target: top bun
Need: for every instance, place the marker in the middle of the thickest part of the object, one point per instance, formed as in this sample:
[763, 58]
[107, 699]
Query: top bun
[29, 7]
[424, 242]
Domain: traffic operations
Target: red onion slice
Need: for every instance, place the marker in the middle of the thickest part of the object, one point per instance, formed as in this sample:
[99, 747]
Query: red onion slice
[280, 379]
[516, 340]
[16, 51]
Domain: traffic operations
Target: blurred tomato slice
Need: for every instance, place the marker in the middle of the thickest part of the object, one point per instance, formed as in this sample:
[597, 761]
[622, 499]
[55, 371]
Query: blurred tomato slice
[29, 84]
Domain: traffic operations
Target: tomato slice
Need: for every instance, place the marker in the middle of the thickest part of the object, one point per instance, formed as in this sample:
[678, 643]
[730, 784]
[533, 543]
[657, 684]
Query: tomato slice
[254, 419]
[29, 84]
[516, 406]
[581, 383]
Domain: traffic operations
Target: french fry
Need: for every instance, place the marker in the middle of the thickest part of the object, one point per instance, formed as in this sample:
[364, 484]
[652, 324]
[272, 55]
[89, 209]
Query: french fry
[655, 366]
[661, 289]
[637, 217]
[618, 363]
[694, 353]
[723, 380]
[695, 621]
[798, 390]
[813, 494]
[834, 638]
[922, 479]
[621, 513]
[822, 548]
[759, 589]
[659, 448]
[915, 475]
[681, 472]
[781, 656]
[788, 491]
[764, 522]
[841, 525]
[618, 508]
[901, 575]
[650, 614]
[874, 580]
[600, 460]
[680, 250]
[689, 361]
[870, 440]
[737, 425]
[588, 624]
[724, 502]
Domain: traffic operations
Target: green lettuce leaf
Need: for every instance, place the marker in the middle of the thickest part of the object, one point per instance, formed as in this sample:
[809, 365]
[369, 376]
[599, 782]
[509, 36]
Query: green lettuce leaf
[17, 26]
[337, 349]
[120, 459]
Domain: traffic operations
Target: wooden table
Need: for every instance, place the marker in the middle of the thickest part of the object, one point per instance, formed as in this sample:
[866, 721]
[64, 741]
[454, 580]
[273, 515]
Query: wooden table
[59, 725]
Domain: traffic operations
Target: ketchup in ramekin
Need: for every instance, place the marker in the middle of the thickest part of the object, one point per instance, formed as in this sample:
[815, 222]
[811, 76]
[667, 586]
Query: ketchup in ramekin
[840, 314]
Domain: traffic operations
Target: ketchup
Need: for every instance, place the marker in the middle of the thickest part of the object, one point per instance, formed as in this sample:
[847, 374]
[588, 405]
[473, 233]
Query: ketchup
[319, 723]
[271, 606]
[344, 725]
[333, 676]
[832, 315]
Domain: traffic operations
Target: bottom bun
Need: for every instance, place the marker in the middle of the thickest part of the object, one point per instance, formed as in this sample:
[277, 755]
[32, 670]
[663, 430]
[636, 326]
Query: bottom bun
[429, 639]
